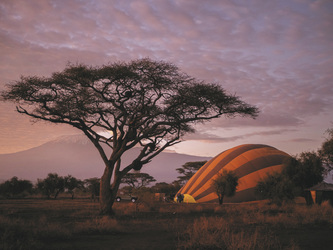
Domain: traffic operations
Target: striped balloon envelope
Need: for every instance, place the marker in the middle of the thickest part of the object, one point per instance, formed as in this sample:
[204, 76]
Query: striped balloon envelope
[250, 162]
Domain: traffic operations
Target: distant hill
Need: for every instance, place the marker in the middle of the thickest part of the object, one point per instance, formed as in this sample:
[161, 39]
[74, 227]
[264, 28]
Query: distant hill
[75, 155]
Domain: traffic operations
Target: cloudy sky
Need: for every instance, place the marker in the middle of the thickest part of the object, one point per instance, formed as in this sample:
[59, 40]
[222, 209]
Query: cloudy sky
[276, 54]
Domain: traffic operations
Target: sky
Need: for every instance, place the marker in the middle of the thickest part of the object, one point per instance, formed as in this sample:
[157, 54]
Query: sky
[276, 55]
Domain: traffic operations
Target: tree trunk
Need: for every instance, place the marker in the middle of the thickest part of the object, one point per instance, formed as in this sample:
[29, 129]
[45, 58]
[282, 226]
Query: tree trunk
[56, 194]
[221, 199]
[106, 198]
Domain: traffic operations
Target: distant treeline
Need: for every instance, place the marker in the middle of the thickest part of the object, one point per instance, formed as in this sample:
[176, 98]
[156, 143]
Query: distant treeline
[53, 185]
[50, 187]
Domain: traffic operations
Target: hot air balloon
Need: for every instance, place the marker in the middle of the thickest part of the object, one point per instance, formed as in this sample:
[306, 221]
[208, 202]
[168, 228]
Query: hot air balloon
[250, 162]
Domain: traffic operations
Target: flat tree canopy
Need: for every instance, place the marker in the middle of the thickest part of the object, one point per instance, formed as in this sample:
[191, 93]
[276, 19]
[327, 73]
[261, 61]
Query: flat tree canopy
[142, 103]
[137, 180]
[188, 170]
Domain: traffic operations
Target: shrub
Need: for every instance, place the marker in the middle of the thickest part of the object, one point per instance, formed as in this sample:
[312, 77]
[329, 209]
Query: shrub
[146, 202]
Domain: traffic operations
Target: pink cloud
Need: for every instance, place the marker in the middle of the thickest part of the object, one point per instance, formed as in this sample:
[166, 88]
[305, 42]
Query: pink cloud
[274, 54]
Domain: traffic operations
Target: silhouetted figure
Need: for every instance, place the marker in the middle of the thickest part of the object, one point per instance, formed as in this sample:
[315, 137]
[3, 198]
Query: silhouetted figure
[180, 198]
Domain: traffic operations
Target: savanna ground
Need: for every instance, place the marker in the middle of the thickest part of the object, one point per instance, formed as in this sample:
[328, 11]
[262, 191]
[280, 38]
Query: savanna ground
[76, 224]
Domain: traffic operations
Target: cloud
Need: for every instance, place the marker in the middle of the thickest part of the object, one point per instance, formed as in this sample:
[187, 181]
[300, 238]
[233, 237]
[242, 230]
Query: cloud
[18, 132]
[210, 138]
[276, 55]
[302, 140]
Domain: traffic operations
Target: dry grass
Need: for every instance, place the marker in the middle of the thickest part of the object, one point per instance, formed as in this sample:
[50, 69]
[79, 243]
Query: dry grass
[254, 226]
[33, 224]
[100, 225]
[217, 233]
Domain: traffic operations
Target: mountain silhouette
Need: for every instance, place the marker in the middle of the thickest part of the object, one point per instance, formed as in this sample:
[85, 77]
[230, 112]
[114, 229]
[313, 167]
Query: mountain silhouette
[76, 155]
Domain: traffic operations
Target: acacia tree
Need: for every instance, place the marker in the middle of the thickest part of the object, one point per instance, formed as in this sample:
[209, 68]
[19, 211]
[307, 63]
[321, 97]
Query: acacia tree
[225, 184]
[71, 183]
[145, 103]
[51, 185]
[137, 180]
[188, 170]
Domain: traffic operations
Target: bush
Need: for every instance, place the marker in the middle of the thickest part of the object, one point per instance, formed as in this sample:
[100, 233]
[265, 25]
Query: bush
[15, 188]
[277, 188]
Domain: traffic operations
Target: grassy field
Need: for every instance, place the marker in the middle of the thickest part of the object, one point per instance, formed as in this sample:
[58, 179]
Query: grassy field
[76, 224]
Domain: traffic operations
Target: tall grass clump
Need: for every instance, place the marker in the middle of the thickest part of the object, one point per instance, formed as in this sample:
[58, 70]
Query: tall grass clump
[315, 214]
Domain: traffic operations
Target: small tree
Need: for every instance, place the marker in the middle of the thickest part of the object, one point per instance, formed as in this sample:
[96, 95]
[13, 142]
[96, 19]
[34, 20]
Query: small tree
[277, 188]
[225, 184]
[188, 170]
[93, 186]
[51, 185]
[143, 103]
[168, 189]
[71, 183]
